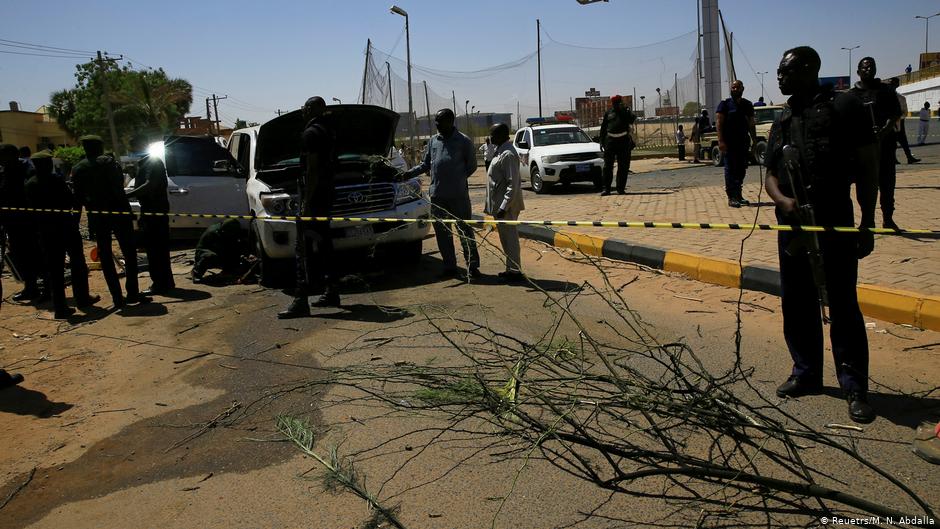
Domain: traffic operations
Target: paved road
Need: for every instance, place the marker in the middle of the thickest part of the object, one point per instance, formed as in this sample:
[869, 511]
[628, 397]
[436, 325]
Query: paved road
[164, 415]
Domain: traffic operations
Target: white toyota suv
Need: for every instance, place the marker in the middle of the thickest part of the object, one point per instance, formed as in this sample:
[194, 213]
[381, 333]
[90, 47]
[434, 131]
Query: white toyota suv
[367, 185]
[558, 153]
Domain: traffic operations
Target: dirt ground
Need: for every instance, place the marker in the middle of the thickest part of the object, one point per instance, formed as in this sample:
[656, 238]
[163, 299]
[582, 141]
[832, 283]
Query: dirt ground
[164, 415]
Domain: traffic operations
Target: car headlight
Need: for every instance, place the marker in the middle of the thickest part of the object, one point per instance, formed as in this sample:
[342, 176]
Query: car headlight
[408, 191]
[278, 204]
[550, 159]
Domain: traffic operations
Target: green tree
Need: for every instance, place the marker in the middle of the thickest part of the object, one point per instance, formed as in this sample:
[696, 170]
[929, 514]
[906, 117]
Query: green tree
[143, 102]
[241, 124]
[690, 109]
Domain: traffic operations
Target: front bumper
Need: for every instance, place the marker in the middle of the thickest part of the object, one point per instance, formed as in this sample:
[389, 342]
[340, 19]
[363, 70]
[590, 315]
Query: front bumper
[278, 236]
[586, 171]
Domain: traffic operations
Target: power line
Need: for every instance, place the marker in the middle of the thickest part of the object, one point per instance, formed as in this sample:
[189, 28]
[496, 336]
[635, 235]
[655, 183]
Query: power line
[45, 55]
[666, 41]
[52, 48]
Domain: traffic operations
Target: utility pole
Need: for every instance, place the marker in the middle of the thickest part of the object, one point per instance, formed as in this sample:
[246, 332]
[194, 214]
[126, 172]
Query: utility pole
[388, 68]
[518, 116]
[209, 112]
[215, 105]
[102, 78]
[538, 49]
[453, 96]
[427, 107]
[365, 71]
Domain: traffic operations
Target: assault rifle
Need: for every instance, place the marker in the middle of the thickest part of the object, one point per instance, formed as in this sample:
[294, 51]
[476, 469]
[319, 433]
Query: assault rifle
[806, 216]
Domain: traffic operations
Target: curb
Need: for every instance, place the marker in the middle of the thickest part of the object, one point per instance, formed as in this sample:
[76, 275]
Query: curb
[886, 304]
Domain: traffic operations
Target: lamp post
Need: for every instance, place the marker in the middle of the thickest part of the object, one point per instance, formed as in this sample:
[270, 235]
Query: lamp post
[338, 100]
[927, 30]
[470, 124]
[662, 135]
[850, 61]
[761, 74]
[466, 113]
[399, 11]
[643, 101]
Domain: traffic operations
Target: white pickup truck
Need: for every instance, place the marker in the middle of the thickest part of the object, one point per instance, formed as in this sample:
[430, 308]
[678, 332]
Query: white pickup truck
[367, 185]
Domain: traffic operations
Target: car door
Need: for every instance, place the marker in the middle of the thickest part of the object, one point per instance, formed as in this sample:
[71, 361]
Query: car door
[523, 143]
[203, 178]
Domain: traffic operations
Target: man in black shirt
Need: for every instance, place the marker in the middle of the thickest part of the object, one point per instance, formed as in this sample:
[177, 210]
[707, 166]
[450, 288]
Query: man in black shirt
[317, 190]
[618, 143]
[150, 188]
[735, 125]
[885, 110]
[16, 225]
[99, 186]
[833, 138]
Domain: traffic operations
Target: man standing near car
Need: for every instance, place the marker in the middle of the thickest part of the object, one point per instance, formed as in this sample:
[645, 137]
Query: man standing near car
[504, 198]
[150, 188]
[451, 159]
[316, 200]
[99, 186]
[617, 143]
[735, 125]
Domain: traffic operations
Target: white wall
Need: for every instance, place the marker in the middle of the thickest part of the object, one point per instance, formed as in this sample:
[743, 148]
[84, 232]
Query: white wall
[917, 93]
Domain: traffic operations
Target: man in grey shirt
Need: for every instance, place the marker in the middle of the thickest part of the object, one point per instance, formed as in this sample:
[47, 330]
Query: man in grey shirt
[451, 159]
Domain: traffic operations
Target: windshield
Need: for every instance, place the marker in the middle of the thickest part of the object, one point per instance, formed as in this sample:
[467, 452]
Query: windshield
[766, 115]
[543, 137]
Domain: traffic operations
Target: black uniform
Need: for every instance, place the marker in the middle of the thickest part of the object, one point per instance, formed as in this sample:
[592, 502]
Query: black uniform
[99, 186]
[318, 191]
[57, 235]
[885, 108]
[218, 247]
[827, 132]
[17, 227]
[618, 144]
[151, 191]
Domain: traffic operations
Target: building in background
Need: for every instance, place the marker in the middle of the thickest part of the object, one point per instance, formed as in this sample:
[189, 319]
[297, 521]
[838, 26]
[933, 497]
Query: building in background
[591, 108]
[36, 130]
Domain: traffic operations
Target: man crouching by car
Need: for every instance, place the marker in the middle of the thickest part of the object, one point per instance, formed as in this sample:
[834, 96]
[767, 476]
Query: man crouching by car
[316, 188]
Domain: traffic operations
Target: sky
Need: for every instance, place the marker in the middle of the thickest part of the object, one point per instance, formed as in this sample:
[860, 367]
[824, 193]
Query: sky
[274, 54]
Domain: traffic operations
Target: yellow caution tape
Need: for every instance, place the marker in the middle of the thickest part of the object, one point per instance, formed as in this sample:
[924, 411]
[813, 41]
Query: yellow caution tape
[493, 222]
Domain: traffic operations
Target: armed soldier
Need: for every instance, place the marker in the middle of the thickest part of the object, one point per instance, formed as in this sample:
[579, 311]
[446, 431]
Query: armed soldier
[884, 110]
[99, 186]
[316, 190]
[815, 149]
[618, 144]
[48, 191]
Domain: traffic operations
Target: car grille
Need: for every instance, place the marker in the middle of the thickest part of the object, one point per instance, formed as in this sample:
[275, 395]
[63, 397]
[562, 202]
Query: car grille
[367, 198]
[578, 157]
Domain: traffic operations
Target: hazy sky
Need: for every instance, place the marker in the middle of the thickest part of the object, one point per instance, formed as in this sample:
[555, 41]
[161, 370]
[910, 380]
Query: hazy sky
[273, 54]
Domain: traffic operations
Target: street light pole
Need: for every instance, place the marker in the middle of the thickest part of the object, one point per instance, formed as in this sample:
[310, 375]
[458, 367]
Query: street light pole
[411, 126]
[466, 113]
[761, 74]
[338, 100]
[927, 30]
[850, 61]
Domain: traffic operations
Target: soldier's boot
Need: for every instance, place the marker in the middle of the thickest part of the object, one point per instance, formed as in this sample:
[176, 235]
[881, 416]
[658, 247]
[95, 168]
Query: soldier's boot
[63, 313]
[888, 220]
[9, 380]
[87, 300]
[29, 293]
[298, 308]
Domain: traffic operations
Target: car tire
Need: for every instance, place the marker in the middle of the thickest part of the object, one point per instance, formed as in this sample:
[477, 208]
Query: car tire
[272, 273]
[535, 178]
[717, 157]
[760, 151]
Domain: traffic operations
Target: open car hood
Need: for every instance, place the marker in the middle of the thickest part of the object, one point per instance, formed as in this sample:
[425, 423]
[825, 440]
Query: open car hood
[365, 130]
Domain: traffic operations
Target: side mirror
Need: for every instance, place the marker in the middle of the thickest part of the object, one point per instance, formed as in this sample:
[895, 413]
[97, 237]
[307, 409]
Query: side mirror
[223, 167]
[523, 145]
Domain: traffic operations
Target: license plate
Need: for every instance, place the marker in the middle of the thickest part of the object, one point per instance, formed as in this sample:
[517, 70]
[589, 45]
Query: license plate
[582, 168]
[360, 231]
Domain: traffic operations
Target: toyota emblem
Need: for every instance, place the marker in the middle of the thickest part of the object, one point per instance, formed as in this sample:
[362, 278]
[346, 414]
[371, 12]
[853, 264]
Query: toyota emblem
[355, 197]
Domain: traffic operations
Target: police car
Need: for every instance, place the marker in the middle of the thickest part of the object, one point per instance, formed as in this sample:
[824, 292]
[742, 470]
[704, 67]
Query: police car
[552, 152]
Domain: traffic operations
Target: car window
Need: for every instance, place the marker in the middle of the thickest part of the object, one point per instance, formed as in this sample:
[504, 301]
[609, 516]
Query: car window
[545, 137]
[187, 156]
[233, 145]
[528, 137]
[243, 154]
[519, 136]
[767, 115]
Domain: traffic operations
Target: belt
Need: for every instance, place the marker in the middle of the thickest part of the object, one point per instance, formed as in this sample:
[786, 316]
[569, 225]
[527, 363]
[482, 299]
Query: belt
[617, 134]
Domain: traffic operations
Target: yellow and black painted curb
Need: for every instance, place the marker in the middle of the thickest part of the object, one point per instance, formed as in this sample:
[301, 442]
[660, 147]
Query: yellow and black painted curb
[886, 304]
[494, 222]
